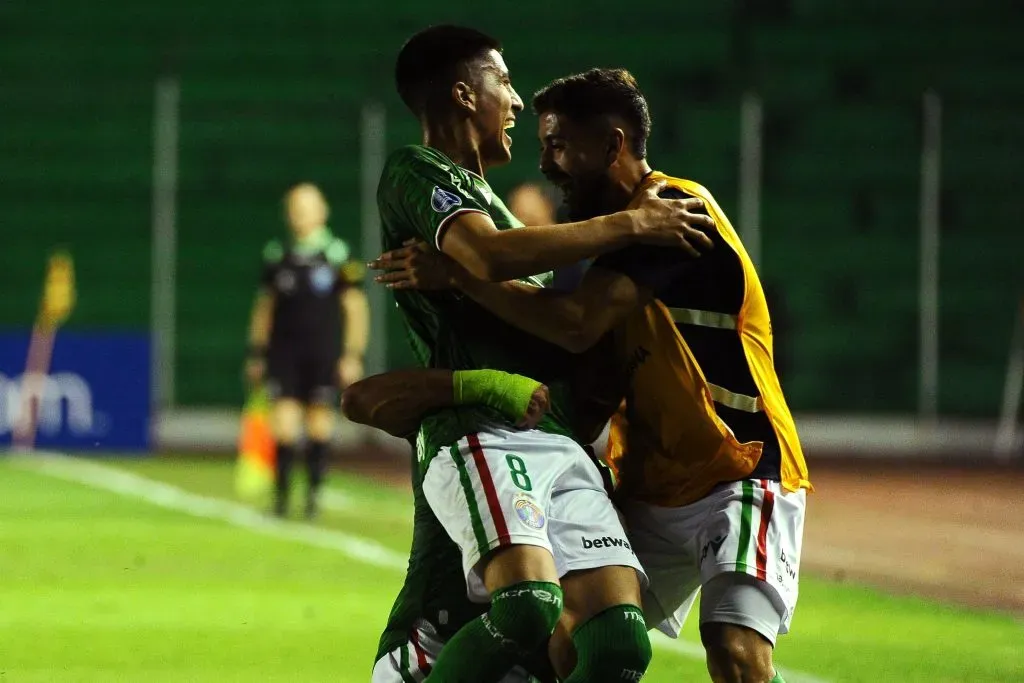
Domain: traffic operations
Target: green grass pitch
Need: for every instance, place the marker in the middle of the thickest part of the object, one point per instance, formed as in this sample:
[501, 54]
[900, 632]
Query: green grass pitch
[118, 585]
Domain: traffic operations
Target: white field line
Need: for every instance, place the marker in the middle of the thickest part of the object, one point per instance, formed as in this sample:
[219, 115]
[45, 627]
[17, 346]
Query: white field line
[173, 498]
[355, 548]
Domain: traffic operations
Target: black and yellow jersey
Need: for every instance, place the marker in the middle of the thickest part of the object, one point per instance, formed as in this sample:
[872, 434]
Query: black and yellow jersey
[703, 404]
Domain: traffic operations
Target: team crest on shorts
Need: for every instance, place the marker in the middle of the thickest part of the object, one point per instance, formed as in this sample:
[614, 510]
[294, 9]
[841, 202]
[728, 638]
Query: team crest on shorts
[528, 512]
[443, 201]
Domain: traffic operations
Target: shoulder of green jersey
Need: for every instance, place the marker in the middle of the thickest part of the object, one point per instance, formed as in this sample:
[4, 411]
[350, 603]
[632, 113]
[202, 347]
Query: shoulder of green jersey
[418, 153]
[407, 152]
[427, 164]
[337, 251]
[456, 182]
[486, 192]
[273, 251]
[402, 161]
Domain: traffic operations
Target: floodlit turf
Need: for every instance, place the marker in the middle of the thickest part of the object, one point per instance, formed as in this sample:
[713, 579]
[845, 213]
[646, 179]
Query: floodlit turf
[100, 586]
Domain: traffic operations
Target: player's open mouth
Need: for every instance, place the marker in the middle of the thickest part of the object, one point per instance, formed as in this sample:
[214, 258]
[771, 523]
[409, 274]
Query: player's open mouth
[508, 126]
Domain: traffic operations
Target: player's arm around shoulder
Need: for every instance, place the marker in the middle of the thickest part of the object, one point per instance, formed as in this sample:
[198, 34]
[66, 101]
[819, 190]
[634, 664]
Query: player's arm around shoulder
[499, 255]
[574, 321]
[396, 402]
[627, 278]
[469, 241]
[601, 302]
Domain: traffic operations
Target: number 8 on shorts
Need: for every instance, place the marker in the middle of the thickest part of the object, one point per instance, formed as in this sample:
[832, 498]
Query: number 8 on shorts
[519, 475]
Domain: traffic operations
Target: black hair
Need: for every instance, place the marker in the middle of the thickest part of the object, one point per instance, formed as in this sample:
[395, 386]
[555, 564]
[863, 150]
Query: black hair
[429, 62]
[599, 92]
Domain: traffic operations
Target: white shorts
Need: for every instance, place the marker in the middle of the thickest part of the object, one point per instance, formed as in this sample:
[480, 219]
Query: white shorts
[752, 527]
[411, 662]
[504, 487]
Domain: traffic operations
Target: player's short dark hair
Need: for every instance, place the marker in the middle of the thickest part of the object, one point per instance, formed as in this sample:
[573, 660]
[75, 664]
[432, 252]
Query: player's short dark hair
[428, 64]
[599, 92]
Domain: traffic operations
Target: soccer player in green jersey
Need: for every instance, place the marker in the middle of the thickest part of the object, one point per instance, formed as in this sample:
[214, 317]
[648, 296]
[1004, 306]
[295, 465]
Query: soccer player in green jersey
[508, 497]
[432, 604]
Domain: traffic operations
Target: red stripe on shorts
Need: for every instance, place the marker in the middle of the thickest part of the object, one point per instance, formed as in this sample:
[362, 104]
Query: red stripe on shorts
[762, 534]
[421, 656]
[497, 514]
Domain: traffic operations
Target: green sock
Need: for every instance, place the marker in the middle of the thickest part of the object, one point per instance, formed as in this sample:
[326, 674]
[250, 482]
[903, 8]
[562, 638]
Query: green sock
[539, 666]
[778, 678]
[520, 621]
[612, 647]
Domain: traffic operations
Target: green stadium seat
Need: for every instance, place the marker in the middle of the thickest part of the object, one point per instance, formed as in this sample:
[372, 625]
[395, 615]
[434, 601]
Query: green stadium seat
[271, 93]
[913, 12]
[793, 85]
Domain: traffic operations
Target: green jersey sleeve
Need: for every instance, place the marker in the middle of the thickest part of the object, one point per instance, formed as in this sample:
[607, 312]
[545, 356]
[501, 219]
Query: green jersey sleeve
[421, 192]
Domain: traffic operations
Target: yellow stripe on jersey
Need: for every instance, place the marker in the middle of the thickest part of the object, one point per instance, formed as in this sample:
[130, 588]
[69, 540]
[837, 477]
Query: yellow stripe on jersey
[748, 404]
[691, 316]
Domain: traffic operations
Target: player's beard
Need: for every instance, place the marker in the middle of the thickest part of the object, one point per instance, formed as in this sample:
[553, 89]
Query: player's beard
[586, 195]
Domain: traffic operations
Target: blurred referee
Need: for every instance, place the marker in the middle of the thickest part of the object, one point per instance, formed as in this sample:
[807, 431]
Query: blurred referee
[307, 337]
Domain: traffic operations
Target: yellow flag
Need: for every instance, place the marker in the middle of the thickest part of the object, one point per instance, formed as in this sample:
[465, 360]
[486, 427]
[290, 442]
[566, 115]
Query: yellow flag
[58, 290]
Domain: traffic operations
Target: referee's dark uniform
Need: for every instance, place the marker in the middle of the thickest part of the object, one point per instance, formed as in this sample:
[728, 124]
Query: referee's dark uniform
[306, 281]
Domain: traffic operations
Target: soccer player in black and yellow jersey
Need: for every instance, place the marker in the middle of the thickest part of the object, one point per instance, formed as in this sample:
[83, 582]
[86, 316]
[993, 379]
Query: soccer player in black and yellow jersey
[712, 479]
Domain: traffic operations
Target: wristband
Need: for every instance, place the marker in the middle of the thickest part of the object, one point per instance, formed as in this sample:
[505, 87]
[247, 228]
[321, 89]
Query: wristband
[507, 393]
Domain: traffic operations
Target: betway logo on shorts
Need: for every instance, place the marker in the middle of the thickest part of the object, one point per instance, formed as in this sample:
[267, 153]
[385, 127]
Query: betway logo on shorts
[605, 542]
[63, 398]
[790, 568]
